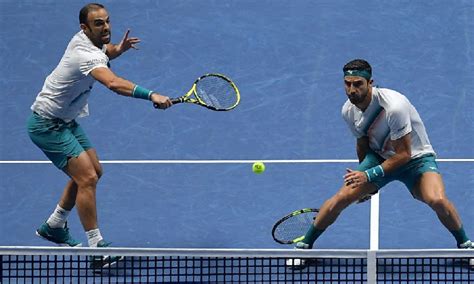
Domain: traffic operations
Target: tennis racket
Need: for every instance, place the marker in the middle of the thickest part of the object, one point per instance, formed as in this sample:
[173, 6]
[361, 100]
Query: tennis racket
[213, 91]
[292, 228]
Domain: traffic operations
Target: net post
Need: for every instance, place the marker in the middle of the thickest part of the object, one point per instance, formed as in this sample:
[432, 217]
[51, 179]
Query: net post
[374, 221]
[372, 267]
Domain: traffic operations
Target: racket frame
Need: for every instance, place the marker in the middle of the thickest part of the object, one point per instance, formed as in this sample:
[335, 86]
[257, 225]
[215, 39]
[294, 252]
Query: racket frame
[192, 97]
[288, 216]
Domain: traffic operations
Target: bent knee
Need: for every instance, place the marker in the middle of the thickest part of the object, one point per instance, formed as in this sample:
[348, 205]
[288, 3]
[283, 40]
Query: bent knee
[87, 180]
[438, 202]
[342, 199]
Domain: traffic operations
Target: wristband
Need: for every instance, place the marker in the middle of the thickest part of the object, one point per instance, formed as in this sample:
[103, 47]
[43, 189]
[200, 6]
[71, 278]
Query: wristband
[374, 173]
[141, 93]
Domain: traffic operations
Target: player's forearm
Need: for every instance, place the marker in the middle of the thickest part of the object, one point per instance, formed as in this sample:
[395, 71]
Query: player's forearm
[113, 51]
[362, 148]
[126, 88]
[388, 166]
[395, 162]
[402, 148]
[361, 153]
[120, 86]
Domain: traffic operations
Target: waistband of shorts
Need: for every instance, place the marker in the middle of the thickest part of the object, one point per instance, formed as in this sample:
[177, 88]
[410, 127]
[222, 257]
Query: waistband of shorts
[427, 155]
[55, 119]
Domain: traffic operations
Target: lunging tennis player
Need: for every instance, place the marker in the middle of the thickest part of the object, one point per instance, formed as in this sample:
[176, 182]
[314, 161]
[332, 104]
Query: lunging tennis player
[392, 144]
[53, 128]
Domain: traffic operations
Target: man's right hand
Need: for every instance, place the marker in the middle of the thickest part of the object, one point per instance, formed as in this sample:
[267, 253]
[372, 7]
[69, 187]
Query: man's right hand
[160, 101]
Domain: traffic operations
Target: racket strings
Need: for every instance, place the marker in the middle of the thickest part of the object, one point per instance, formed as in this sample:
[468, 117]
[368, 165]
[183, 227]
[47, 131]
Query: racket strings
[294, 227]
[216, 92]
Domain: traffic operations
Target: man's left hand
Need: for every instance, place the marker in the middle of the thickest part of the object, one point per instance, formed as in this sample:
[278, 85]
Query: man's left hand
[354, 178]
[127, 43]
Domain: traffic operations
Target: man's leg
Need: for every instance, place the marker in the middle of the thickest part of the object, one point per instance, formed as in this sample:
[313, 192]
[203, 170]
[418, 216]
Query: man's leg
[83, 186]
[328, 213]
[332, 207]
[79, 190]
[430, 190]
[58, 218]
[85, 171]
[68, 198]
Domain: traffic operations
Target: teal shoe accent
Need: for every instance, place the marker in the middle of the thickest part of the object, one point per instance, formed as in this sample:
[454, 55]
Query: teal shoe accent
[59, 236]
[99, 262]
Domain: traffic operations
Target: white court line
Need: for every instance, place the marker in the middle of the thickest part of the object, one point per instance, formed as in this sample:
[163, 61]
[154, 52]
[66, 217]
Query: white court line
[308, 161]
[374, 221]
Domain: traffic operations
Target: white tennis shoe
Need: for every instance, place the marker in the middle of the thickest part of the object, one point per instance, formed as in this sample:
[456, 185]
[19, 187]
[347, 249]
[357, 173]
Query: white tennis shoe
[468, 245]
[297, 263]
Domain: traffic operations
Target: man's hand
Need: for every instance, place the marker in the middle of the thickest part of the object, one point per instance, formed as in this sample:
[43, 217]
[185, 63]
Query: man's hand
[354, 178]
[161, 102]
[115, 50]
[127, 43]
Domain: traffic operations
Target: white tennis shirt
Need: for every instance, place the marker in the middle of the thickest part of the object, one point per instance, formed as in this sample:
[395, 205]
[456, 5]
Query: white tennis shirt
[389, 116]
[66, 90]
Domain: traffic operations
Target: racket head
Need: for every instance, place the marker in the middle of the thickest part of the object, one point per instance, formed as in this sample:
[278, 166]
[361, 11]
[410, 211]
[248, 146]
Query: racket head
[291, 228]
[214, 91]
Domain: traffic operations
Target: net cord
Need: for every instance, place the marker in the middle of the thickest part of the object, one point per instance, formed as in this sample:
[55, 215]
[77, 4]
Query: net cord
[212, 252]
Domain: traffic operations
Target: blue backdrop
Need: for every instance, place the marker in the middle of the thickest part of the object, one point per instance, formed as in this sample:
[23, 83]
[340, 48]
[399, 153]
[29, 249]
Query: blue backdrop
[286, 57]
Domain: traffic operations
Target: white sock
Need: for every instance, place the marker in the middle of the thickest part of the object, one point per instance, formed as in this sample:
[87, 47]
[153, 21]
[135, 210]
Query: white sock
[58, 218]
[93, 237]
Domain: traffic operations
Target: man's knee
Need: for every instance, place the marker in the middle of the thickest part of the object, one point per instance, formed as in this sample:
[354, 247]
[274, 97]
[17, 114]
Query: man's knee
[87, 180]
[341, 200]
[95, 162]
[437, 202]
[349, 195]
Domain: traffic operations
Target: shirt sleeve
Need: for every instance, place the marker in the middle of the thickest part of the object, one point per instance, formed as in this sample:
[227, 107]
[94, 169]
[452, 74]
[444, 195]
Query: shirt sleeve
[89, 60]
[350, 122]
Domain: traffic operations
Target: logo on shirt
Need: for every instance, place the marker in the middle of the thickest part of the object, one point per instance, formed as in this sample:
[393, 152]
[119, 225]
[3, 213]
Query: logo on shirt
[96, 61]
[400, 129]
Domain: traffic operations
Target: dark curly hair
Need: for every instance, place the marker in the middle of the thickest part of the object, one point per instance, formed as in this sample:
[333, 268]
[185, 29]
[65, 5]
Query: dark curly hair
[358, 64]
[86, 9]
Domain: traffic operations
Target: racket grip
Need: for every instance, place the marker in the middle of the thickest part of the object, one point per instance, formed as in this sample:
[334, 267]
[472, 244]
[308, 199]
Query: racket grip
[174, 101]
[177, 100]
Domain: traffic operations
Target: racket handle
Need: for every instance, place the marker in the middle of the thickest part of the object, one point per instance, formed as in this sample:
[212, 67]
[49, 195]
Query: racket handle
[177, 100]
[174, 101]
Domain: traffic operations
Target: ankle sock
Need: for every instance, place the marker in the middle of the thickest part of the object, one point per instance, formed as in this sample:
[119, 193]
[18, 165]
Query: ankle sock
[93, 237]
[58, 217]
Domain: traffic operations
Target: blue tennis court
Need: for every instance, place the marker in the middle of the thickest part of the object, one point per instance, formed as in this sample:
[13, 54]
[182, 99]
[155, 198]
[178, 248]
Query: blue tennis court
[182, 177]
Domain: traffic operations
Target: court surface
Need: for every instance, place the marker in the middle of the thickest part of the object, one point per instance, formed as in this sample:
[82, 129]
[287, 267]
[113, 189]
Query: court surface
[286, 57]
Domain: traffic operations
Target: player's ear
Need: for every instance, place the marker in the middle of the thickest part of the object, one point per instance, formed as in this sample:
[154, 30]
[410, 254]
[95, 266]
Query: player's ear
[83, 27]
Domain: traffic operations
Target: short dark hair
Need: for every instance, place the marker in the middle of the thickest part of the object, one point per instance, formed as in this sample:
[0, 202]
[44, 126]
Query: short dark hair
[358, 64]
[86, 9]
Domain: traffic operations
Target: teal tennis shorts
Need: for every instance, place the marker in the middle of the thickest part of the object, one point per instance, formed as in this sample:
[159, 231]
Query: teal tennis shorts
[58, 139]
[408, 173]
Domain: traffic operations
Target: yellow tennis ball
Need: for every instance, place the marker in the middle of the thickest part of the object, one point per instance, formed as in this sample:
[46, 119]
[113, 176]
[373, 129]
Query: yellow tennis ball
[258, 167]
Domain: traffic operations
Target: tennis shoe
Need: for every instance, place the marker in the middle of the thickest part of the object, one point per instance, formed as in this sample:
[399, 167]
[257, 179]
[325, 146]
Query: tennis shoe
[59, 236]
[99, 262]
[468, 245]
[298, 263]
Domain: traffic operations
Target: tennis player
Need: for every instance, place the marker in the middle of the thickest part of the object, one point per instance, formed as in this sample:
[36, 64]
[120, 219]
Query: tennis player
[52, 125]
[392, 144]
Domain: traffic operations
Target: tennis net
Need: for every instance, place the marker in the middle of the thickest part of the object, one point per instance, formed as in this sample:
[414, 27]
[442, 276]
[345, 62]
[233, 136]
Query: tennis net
[146, 265]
